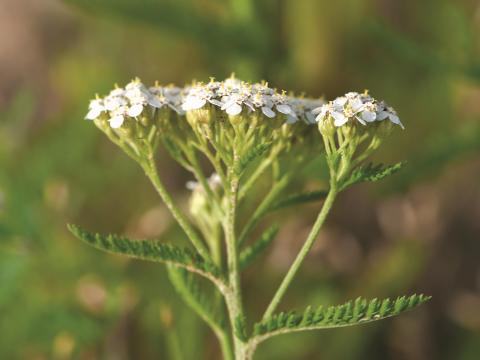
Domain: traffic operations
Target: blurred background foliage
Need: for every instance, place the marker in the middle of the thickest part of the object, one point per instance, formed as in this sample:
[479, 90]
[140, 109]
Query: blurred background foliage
[416, 232]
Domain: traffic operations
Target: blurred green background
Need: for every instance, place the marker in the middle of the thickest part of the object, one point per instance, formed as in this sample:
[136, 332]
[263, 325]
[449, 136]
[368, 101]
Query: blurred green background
[417, 231]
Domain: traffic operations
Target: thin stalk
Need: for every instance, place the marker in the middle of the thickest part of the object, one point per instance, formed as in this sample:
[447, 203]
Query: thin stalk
[151, 172]
[256, 174]
[327, 205]
[262, 209]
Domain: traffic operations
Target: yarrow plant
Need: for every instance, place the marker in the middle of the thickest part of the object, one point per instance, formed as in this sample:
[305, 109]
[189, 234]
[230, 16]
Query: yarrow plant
[249, 134]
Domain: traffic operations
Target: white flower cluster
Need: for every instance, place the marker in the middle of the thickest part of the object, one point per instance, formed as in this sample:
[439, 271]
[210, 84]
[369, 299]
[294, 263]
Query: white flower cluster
[231, 95]
[132, 100]
[356, 107]
[234, 96]
[214, 181]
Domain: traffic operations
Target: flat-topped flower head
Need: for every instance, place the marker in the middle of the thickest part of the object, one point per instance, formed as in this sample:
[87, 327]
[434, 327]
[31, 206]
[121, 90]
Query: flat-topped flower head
[356, 108]
[168, 96]
[353, 126]
[236, 97]
[198, 95]
[133, 103]
[304, 109]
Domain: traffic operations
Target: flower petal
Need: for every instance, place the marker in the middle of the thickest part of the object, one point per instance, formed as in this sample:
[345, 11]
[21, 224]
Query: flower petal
[340, 101]
[310, 116]
[382, 115]
[291, 119]
[193, 103]
[234, 109]
[154, 101]
[116, 121]
[93, 113]
[360, 120]
[339, 118]
[135, 110]
[268, 112]
[368, 116]
[284, 109]
[396, 120]
[215, 102]
[357, 104]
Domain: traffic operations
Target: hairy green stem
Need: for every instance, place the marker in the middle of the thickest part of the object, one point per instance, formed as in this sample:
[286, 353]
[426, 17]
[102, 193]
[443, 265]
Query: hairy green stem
[151, 172]
[233, 298]
[327, 205]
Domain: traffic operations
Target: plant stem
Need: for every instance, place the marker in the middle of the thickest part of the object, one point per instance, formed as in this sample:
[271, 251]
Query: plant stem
[253, 178]
[263, 208]
[151, 172]
[234, 297]
[327, 205]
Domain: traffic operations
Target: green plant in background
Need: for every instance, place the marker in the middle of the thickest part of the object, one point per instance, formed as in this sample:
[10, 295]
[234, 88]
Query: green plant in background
[244, 132]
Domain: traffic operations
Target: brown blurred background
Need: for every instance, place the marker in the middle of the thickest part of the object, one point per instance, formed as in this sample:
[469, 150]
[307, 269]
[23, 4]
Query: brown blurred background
[418, 231]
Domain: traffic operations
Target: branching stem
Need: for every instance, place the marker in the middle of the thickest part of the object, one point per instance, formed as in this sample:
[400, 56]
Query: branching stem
[312, 236]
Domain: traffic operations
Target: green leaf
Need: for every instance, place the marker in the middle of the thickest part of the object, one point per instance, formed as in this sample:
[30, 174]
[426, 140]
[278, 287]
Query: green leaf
[300, 198]
[241, 328]
[351, 313]
[150, 250]
[251, 155]
[372, 173]
[189, 288]
[250, 253]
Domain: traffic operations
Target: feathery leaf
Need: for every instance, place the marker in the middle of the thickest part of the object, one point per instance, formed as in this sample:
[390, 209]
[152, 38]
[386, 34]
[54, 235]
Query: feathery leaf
[351, 313]
[251, 155]
[250, 253]
[372, 173]
[150, 250]
[299, 198]
[190, 290]
[241, 328]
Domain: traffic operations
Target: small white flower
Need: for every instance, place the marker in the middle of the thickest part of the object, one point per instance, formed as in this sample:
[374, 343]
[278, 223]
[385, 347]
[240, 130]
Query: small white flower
[117, 117]
[354, 106]
[139, 97]
[112, 102]
[95, 109]
[167, 96]
[386, 111]
[198, 96]
[305, 109]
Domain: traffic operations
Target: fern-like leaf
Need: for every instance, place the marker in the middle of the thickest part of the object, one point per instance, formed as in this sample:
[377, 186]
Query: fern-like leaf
[240, 326]
[250, 253]
[297, 199]
[372, 173]
[251, 155]
[190, 290]
[351, 313]
[152, 251]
